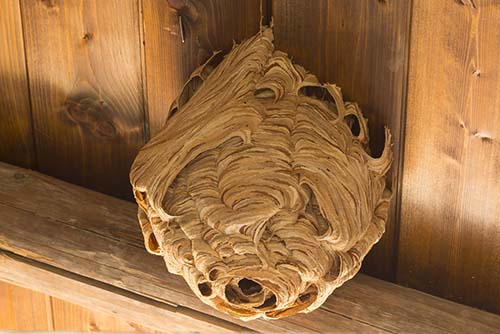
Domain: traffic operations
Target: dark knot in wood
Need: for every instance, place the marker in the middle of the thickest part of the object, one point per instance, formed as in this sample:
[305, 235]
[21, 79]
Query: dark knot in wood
[91, 114]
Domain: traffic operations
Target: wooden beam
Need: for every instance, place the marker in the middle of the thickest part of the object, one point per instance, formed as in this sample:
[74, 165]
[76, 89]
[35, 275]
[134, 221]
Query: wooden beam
[86, 247]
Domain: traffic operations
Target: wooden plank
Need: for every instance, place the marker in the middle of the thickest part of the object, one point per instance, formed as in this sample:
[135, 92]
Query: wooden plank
[74, 230]
[362, 47]
[401, 310]
[101, 298]
[71, 317]
[209, 25]
[16, 137]
[450, 220]
[24, 309]
[27, 310]
[84, 64]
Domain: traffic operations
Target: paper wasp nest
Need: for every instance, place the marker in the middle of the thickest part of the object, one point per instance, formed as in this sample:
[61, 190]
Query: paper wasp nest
[260, 190]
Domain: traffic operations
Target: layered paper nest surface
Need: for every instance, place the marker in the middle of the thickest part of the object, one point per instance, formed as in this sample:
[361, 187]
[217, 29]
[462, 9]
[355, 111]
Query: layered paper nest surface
[260, 190]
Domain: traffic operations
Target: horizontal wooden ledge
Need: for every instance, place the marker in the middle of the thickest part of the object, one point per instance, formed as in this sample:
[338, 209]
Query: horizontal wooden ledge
[87, 248]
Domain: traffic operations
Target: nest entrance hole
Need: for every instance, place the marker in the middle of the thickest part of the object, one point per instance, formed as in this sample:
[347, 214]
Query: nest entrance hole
[249, 287]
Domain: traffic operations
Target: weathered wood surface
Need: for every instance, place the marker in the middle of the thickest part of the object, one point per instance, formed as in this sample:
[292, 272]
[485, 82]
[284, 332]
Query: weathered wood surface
[16, 138]
[362, 47]
[450, 219]
[92, 235]
[208, 26]
[85, 77]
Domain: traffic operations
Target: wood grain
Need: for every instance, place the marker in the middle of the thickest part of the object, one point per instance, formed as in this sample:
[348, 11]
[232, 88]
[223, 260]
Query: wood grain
[71, 317]
[44, 229]
[24, 309]
[84, 64]
[27, 310]
[99, 299]
[362, 47]
[209, 25]
[450, 220]
[16, 135]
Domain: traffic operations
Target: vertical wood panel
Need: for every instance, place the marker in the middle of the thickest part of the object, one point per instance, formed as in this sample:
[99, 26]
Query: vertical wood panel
[450, 222]
[362, 47]
[84, 64]
[24, 310]
[209, 25]
[16, 138]
[71, 317]
[27, 310]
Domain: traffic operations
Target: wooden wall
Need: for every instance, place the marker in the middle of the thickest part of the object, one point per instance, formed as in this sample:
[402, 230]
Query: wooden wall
[449, 242]
[430, 70]
[85, 83]
[26, 310]
[88, 81]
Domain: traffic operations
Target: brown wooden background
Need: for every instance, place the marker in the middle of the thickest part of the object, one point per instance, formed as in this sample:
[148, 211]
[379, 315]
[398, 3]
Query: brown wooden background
[85, 83]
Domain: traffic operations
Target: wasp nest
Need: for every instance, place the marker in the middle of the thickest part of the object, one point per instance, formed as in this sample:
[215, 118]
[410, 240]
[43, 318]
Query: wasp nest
[260, 190]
